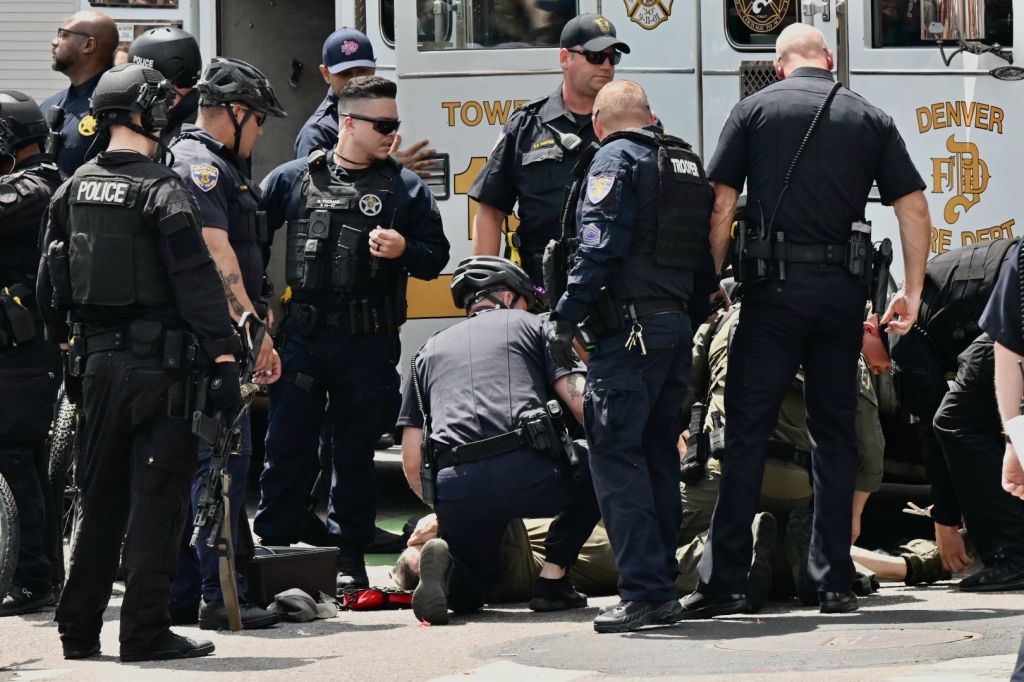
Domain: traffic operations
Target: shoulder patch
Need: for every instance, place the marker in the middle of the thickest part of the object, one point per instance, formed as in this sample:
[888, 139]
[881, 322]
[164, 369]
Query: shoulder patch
[591, 235]
[599, 187]
[8, 195]
[204, 176]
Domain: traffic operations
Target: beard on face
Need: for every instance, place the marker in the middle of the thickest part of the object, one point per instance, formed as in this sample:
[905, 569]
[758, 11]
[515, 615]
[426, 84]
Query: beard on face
[62, 64]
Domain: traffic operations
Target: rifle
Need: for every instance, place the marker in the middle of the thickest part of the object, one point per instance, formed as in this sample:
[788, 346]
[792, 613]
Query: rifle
[560, 254]
[223, 433]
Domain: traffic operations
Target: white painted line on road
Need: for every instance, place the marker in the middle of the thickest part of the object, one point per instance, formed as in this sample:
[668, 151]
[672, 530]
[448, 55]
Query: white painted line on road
[505, 671]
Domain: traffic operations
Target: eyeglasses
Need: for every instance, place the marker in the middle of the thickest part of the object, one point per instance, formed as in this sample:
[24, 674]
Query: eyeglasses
[260, 116]
[599, 57]
[384, 126]
[64, 32]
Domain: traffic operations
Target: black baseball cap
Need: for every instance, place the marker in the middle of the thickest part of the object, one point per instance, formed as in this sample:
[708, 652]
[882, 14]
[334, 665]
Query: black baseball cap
[592, 32]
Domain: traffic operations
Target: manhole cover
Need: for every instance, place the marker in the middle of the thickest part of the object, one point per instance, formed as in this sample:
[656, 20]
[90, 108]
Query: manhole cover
[847, 640]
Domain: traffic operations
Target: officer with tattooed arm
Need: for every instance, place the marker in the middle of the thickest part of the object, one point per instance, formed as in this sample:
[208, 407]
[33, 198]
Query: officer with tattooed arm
[235, 101]
[123, 252]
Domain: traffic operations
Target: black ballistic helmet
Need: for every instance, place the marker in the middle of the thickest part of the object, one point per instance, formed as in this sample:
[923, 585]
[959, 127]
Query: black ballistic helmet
[228, 80]
[480, 274]
[171, 51]
[128, 88]
[21, 122]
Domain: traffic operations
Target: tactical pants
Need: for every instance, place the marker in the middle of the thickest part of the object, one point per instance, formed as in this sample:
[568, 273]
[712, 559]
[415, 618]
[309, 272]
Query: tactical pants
[198, 572]
[357, 373]
[968, 429]
[136, 467]
[29, 377]
[812, 318]
[632, 419]
[476, 501]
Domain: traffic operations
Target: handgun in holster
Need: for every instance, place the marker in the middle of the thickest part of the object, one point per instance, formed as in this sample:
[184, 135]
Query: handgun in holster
[318, 231]
[604, 318]
[544, 430]
[746, 267]
[76, 351]
[859, 254]
[428, 470]
[691, 469]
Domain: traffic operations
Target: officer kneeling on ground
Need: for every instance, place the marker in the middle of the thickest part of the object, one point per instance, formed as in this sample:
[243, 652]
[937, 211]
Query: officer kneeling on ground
[124, 254]
[485, 442]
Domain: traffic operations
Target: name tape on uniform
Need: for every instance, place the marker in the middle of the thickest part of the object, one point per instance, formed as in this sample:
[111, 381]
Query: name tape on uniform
[103, 192]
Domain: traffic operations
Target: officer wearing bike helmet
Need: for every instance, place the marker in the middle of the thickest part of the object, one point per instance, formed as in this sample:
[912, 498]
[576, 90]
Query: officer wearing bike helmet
[235, 100]
[29, 367]
[174, 53]
[480, 386]
[124, 255]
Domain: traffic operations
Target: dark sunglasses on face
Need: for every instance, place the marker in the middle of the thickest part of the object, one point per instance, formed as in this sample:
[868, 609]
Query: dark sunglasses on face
[260, 116]
[599, 57]
[384, 126]
[62, 33]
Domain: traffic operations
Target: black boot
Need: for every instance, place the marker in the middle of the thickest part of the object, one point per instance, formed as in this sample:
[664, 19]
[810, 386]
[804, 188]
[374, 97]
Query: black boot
[759, 578]
[214, 616]
[351, 570]
[556, 595]
[1005, 573]
[166, 647]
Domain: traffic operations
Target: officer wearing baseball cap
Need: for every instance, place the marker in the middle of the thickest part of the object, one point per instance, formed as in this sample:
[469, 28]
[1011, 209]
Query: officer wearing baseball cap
[539, 146]
[347, 54]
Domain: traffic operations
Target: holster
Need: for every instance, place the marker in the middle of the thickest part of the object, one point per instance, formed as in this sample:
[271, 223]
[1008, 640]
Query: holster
[428, 470]
[76, 351]
[60, 274]
[604, 319]
[17, 325]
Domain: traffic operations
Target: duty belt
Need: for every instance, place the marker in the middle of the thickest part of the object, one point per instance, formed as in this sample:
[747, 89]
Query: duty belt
[481, 449]
[358, 316]
[789, 453]
[644, 307]
[178, 348]
[793, 252]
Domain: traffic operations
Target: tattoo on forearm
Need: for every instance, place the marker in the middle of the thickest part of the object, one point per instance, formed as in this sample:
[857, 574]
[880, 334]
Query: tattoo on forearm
[577, 385]
[230, 280]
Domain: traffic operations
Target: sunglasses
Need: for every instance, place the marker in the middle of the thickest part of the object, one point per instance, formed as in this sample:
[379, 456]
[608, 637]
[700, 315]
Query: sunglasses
[260, 116]
[384, 126]
[598, 58]
[62, 33]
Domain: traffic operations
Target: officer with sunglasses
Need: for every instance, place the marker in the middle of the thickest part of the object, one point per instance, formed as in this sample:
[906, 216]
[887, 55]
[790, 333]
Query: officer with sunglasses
[539, 146]
[82, 50]
[358, 225]
[235, 99]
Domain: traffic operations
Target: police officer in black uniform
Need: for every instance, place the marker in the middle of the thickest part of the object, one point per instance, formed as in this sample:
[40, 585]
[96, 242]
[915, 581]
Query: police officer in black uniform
[82, 50]
[358, 225]
[810, 309]
[959, 425]
[539, 146]
[235, 100]
[29, 366]
[478, 384]
[124, 252]
[174, 53]
[642, 225]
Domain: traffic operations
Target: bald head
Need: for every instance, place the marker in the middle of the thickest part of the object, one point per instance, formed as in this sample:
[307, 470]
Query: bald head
[619, 105]
[85, 46]
[801, 45]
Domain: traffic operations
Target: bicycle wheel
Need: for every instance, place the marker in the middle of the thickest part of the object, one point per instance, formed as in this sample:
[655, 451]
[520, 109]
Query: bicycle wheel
[66, 495]
[10, 536]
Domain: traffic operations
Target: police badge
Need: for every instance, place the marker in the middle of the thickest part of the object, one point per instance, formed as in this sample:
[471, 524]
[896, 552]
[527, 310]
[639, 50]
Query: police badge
[648, 14]
[599, 187]
[204, 176]
[370, 205]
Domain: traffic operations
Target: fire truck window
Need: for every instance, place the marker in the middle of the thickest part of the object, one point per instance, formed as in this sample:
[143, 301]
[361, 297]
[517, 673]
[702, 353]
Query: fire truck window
[755, 24]
[162, 4]
[486, 24]
[897, 23]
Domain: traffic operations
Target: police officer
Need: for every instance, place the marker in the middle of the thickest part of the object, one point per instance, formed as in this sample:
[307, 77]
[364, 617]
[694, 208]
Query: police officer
[539, 146]
[174, 53]
[959, 423]
[29, 366]
[810, 311]
[358, 225]
[82, 50]
[477, 386]
[123, 250]
[235, 100]
[348, 54]
[642, 226]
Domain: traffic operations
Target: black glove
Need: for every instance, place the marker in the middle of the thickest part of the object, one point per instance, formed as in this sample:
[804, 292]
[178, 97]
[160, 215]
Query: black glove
[224, 393]
[560, 333]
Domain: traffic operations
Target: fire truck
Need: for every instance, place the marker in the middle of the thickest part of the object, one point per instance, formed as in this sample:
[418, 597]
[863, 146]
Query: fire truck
[944, 69]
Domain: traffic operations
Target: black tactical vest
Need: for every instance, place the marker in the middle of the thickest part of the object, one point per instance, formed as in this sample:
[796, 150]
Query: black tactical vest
[19, 247]
[114, 253]
[329, 247]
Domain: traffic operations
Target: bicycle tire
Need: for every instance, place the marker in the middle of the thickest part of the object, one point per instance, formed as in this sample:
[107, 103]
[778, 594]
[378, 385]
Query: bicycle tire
[66, 496]
[10, 536]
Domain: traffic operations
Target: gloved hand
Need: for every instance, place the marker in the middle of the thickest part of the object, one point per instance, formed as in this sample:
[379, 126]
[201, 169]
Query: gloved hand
[560, 334]
[224, 393]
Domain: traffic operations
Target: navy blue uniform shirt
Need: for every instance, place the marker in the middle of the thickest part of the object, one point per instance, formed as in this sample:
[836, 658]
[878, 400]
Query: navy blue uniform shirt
[484, 373]
[1002, 316]
[225, 199]
[75, 102]
[622, 183]
[417, 216]
[527, 165]
[853, 145]
[320, 129]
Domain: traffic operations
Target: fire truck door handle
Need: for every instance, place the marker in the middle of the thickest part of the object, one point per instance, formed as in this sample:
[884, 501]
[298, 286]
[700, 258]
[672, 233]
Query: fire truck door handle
[297, 67]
